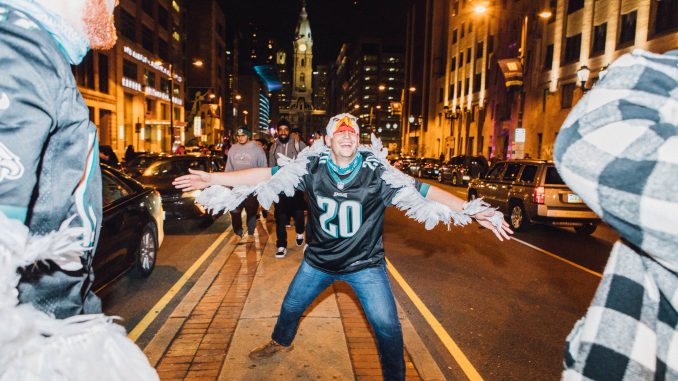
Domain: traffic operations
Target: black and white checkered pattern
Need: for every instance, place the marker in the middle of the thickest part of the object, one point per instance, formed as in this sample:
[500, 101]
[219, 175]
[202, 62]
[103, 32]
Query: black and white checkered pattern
[618, 150]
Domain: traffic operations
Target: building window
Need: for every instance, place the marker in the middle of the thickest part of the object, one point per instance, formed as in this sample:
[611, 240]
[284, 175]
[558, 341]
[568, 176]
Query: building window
[566, 95]
[458, 88]
[468, 55]
[303, 62]
[127, 25]
[627, 34]
[302, 79]
[479, 50]
[103, 73]
[553, 5]
[165, 85]
[490, 44]
[599, 37]
[461, 59]
[548, 57]
[163, 17]
[462, 30]
[163, 49]
[84, 73]
[476, 82]
[147, 6]
[572, 48]
[466, 86]
[544, 98]
[147, 37]
[454, 36]
[574, 5]
[129, 70]
[453, 64]
[149, 108]
[666, 16]
[149, 78]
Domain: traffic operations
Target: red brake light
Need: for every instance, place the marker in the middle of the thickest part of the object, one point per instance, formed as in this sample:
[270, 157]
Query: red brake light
[538, 195]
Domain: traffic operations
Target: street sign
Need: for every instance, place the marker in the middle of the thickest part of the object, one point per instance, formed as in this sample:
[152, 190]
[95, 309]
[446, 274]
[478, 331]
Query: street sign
[519, 136]
[197, 126]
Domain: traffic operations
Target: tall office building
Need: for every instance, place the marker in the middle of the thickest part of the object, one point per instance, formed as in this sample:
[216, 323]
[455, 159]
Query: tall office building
[135, 91]
[206, 70]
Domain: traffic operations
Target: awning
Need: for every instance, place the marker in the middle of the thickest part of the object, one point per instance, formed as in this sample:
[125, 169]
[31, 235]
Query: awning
[512, 69]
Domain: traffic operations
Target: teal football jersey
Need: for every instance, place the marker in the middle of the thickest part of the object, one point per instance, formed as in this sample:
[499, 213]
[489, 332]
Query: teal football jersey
[345, 223]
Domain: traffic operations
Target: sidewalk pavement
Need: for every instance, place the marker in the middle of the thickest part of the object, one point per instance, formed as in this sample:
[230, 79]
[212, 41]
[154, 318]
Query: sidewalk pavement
[233, 307]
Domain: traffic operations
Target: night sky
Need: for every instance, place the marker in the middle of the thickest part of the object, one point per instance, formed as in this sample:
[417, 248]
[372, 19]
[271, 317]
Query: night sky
[332, 21]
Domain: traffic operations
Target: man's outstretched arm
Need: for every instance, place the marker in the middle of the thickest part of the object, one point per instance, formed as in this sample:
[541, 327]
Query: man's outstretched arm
[201, 180]
[457, 204]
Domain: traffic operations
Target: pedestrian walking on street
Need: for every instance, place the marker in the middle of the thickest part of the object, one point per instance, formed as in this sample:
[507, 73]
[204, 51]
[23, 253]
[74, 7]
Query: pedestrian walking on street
[618, 149]
[287, 207]
[50, 199]
[129, 153]
[348, 189]
[245, 154]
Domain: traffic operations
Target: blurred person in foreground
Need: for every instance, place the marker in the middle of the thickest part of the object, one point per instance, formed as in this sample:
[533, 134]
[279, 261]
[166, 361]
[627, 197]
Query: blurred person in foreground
[618, 149]
[348, 190]
[50, 199]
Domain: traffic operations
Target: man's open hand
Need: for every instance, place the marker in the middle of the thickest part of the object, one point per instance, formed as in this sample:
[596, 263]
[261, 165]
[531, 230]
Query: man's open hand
[485, 220]
[194, 180]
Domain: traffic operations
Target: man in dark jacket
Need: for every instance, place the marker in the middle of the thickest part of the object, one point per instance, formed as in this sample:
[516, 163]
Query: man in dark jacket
[288, 206]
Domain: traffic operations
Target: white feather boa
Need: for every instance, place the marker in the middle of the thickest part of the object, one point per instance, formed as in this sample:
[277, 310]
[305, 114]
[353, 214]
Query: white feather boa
[36, 346]
[408, 199]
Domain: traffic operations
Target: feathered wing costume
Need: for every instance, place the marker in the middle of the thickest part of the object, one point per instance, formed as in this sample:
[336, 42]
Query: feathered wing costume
[36, 346]
[408, 199]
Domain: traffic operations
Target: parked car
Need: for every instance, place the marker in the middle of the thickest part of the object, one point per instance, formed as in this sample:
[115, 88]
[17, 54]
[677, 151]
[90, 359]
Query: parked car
[459, 170]
[427, 168]
[403, 163]
[179, 205]
[531, 191]
[141, 161]
[132, 227]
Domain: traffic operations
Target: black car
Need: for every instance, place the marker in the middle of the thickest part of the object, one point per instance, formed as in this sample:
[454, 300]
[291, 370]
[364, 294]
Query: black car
[141, 161]
[403, 163]
[427, 168]
[132, 227]
[459, 170]
[179, 205]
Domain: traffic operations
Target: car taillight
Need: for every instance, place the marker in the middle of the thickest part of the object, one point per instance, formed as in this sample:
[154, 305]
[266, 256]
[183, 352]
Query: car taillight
[538, 195]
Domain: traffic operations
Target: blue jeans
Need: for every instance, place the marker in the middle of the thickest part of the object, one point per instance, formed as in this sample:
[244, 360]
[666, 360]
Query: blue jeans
[373, 289]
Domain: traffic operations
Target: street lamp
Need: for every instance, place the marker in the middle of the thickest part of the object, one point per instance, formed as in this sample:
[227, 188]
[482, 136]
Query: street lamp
[198, 62]
[583, 77]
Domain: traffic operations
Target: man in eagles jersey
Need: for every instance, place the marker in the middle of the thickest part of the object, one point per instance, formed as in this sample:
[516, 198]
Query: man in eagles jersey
[346, 201]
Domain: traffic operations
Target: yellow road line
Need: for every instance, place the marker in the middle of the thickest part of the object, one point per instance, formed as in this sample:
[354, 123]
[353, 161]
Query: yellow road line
[550, 254]
[162, 303]
[447, 341]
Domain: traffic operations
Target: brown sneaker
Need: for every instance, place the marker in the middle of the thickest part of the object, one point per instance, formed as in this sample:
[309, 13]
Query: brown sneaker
[268, 350]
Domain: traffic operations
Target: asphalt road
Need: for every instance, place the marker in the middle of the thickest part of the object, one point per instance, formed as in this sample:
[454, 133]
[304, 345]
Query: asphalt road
[507, 306]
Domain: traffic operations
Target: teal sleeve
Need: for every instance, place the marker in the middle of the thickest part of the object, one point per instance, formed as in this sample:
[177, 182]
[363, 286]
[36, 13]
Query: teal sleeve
[274, 170]
[423, 189]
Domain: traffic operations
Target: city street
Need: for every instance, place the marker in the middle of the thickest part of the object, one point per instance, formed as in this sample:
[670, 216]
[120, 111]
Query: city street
[507, 306]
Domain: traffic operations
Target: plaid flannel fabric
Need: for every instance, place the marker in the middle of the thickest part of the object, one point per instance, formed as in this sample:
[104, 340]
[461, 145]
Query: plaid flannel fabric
[618, 150]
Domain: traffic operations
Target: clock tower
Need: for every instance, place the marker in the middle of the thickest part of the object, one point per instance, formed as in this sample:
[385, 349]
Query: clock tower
[301, 101]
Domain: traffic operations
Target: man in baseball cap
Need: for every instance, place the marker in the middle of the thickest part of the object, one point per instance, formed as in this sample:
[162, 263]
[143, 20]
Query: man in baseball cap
[342, 122]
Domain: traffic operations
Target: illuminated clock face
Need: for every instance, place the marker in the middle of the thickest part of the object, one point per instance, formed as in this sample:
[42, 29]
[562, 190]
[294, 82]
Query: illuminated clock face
[302, 47]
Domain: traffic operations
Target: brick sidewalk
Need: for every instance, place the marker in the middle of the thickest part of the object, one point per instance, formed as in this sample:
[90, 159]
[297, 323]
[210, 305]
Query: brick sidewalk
[198, 350]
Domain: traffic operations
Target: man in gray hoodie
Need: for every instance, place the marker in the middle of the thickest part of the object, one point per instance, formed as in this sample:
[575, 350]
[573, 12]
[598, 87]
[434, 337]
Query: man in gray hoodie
[287, 206]
[244, 155]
